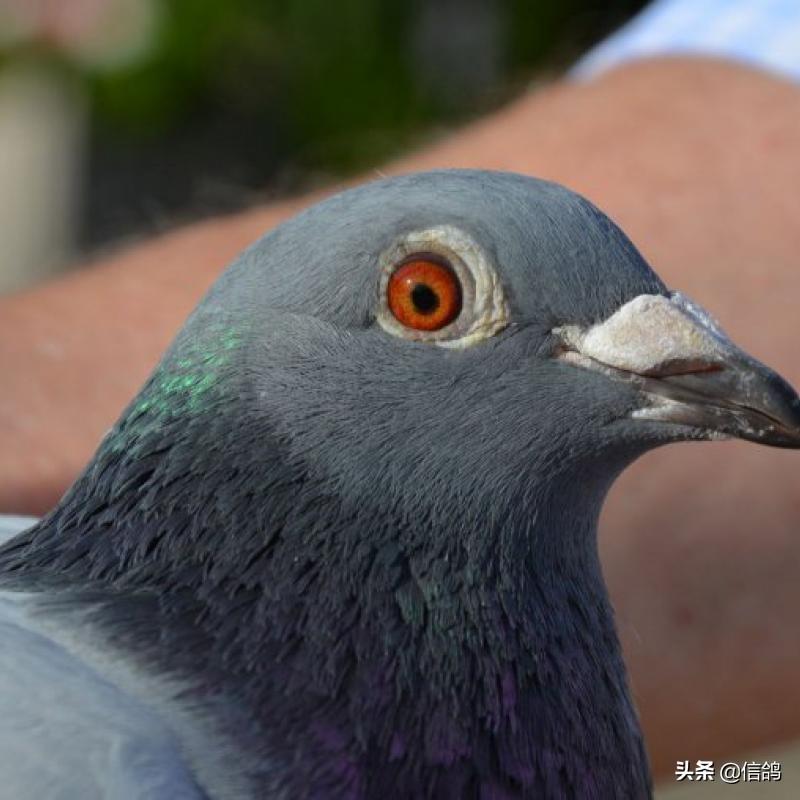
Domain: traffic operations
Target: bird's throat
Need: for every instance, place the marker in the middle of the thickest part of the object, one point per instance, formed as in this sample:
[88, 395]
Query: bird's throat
[386, 656]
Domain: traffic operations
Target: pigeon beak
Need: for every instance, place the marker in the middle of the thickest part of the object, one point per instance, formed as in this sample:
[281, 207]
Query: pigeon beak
[688, 371]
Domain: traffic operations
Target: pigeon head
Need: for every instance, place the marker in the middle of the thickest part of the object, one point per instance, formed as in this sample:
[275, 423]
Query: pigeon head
[463, 333]
[364, 485]
[403, 341]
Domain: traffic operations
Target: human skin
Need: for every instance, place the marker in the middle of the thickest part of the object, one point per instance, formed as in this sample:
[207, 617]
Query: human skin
[699, 162]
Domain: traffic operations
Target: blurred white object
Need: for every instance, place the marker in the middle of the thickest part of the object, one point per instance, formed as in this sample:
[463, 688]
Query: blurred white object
[42, 135]
[43, 120]
[762, 33]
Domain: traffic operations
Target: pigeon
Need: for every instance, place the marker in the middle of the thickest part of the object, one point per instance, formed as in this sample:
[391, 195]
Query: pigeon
[343, 543]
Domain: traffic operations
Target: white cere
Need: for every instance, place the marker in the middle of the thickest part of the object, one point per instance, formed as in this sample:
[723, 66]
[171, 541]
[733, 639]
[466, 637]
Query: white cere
[649, 332]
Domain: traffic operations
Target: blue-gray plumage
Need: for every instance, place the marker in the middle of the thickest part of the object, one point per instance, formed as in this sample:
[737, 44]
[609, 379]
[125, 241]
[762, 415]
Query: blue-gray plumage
[343, 542]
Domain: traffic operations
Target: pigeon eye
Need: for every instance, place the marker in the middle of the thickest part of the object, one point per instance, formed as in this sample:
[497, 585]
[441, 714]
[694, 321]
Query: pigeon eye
[424, 293]
[438, 285]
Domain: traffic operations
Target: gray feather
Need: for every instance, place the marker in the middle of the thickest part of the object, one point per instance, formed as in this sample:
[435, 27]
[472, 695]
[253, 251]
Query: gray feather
[69, 733]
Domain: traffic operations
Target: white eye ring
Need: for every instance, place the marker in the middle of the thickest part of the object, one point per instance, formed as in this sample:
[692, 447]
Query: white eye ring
[484, 309]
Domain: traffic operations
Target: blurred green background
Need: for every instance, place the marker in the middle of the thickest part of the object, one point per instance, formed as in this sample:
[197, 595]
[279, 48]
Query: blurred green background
[202, 106]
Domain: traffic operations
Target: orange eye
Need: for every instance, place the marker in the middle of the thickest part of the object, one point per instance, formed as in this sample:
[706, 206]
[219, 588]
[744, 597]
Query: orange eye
[424, 294]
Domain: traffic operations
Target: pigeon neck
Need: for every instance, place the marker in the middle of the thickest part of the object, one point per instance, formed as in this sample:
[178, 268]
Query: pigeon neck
[466, 650]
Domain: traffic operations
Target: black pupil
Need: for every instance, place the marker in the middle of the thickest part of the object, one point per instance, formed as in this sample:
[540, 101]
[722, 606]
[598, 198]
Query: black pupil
[425, 300]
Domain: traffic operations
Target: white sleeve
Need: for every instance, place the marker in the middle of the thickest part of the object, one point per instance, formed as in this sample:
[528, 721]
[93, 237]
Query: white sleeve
[10, 526]
[762, 33]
